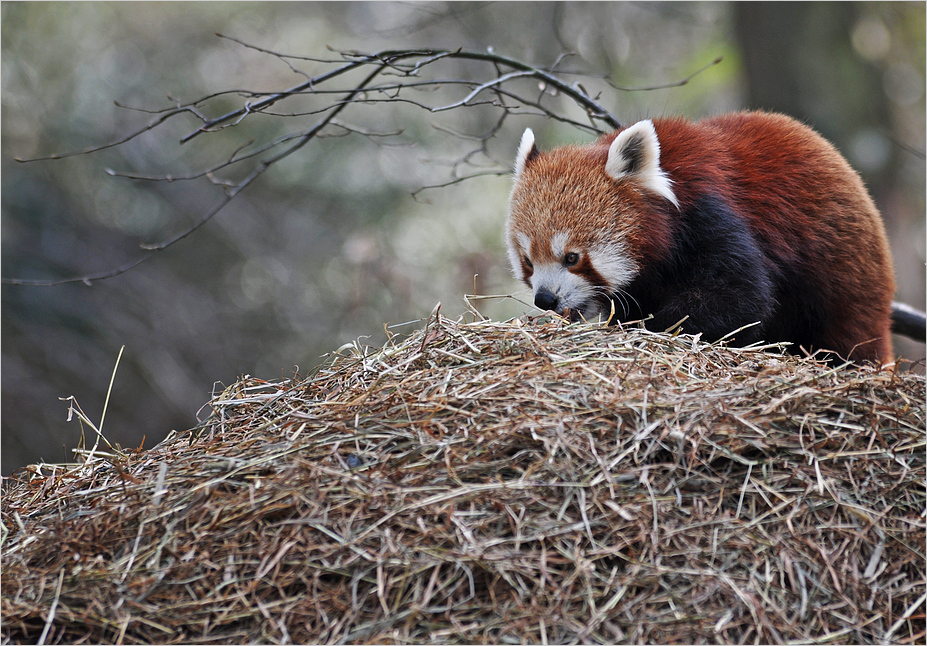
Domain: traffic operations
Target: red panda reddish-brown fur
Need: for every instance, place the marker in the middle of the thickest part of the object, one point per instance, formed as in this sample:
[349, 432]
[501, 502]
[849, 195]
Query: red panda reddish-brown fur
[746, 217]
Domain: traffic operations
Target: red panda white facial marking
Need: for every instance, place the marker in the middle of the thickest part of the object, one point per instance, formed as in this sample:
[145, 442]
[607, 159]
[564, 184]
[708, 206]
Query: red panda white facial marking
[579, 267]
[568, 282]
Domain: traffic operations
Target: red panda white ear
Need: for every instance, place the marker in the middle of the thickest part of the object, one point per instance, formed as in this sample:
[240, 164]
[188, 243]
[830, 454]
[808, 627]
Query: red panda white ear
[635, 153]
[526, 149]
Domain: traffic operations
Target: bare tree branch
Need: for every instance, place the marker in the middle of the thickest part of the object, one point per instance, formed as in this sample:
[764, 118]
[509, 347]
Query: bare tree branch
[394, 57]
[680, 83]
[93, 149]
[230, 195]
[402, 71]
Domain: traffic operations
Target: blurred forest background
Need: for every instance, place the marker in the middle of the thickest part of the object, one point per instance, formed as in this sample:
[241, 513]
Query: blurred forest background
[331, 244]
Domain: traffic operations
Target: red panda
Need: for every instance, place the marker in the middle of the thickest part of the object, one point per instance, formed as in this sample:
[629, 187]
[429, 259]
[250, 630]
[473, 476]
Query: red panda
[732, 220]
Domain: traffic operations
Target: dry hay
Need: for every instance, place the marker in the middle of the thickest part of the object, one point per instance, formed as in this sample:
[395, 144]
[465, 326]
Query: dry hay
[496, 482]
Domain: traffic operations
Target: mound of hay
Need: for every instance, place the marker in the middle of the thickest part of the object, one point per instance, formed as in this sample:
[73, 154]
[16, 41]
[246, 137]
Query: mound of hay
[496, 483]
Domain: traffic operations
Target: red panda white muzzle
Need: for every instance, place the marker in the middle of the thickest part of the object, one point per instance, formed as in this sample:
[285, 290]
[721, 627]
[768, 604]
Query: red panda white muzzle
[575, 295]
[582, 268]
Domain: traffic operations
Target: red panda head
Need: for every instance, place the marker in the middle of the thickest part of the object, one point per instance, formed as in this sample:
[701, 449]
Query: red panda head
[582, 219]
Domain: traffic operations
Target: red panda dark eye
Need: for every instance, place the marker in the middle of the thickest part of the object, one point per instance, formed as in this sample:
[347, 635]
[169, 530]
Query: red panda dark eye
[528, 262]
[570, 259]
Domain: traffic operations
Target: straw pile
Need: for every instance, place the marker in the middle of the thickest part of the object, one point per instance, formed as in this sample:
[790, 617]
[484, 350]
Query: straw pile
[496, 483]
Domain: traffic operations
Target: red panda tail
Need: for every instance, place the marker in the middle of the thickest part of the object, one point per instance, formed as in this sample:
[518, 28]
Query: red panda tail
[909, 322]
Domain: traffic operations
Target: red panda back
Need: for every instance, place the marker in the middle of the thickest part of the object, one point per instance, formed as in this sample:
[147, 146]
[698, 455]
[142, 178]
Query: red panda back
[810, 213]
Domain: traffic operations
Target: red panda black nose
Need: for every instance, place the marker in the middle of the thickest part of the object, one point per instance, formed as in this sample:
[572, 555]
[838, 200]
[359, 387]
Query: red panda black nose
[545, 300]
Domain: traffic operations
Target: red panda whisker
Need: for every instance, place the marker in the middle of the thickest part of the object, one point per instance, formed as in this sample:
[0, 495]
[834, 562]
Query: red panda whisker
[623, 296]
